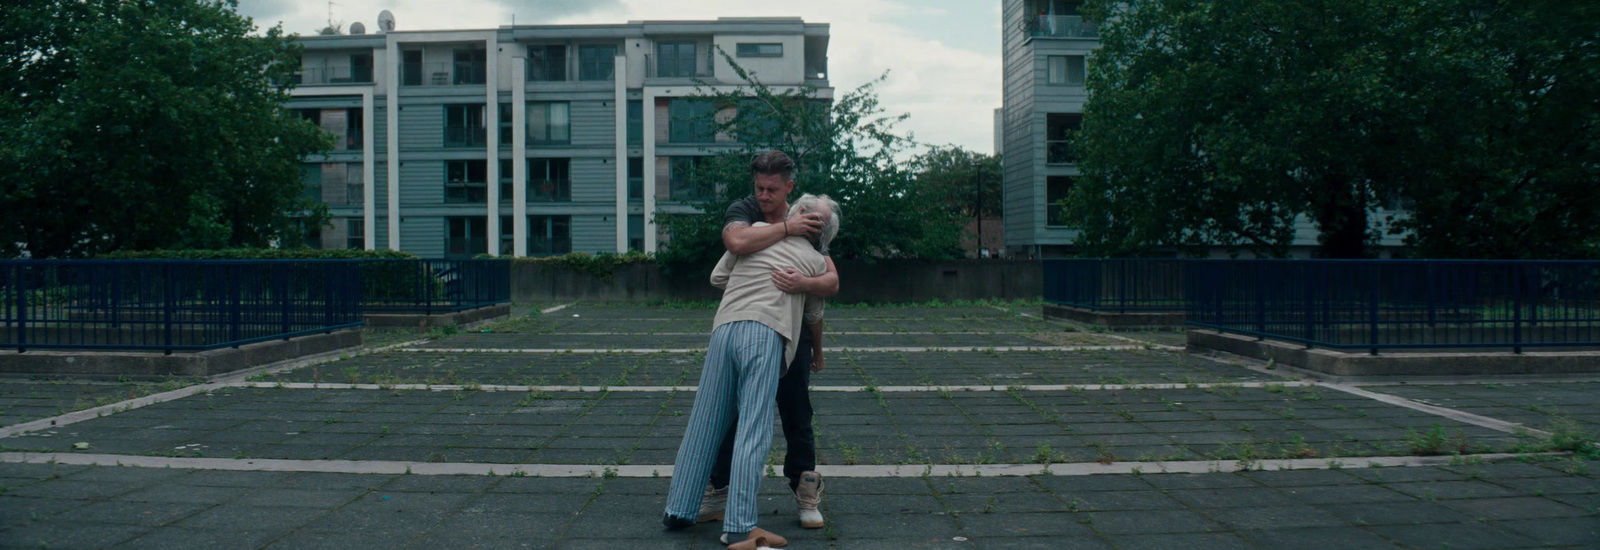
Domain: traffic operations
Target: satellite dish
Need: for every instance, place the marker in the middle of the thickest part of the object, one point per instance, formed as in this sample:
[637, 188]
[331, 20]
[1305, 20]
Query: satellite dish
[385, 21]
[358, 28]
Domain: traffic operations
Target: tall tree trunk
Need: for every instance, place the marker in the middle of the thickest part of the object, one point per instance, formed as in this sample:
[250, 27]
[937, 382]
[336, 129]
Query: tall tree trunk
[1342, 221]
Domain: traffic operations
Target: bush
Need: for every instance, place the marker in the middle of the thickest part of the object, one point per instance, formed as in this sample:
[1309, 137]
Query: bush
[258, 254]
[601, 265]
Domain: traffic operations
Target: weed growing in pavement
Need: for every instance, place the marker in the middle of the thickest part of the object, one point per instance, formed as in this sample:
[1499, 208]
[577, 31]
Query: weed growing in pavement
[1042, 454]
[1436, 441]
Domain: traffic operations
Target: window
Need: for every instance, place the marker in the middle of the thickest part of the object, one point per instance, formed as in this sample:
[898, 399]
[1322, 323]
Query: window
[549, 180]
[467, 236]
[311, 179]
[547, 63]
[508, 235]
[596, 62]
[505, 124]
[675, 59]
[508, 178]
[1061, 133]
[466, 181]
[635, 121]
[1056, 189]
[361, 67]
[313, 116]
[1066, 70]
[354, 184]
[760, 50]
[354, 126]
[636, 232]
[635, 178]
[471, 66]
[464, 126]
[411, 68]
[312, 233]
[685, 185]
[549, 123]
[549, 235]
[355, 236]
[757, 122]
[691, 121]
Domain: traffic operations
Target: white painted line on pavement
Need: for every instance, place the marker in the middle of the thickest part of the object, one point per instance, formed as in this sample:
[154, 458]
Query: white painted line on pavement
[814, 389]
[388, 467]
[550, 310]
[905, 349]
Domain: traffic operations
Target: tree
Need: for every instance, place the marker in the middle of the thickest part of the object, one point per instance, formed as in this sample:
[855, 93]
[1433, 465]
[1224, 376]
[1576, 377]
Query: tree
[846, 148]
[147, 124]
[1223, 123]
[960, 178]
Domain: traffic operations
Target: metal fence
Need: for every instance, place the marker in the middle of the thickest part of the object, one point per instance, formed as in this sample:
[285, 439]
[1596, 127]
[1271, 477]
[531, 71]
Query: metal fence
[172, 305]
[433, 286]
[1399, 304]
[1116, 284]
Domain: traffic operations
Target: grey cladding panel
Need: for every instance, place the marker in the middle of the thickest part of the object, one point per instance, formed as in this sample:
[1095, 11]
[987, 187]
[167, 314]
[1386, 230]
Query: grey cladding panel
[594, 123]
[594, 234]
[594, 180]
[421, 126]
[422, 236]
[421, 182]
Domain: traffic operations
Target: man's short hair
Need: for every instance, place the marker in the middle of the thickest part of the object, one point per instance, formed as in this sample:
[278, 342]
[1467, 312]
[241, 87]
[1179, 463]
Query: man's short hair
[830, 225]
[772, 163]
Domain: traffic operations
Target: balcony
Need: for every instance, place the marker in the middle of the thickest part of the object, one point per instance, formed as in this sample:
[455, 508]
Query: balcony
[656, 67]
[1061, 26]
[333, 75]
[1060, 152]
[466, 137]
[442, 74]
[550, 190]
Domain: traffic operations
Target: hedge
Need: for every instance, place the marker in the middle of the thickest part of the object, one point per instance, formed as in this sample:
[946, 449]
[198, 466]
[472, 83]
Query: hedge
[258, 254]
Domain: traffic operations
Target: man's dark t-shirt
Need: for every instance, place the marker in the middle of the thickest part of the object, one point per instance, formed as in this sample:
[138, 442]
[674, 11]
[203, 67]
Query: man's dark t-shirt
[748, 211]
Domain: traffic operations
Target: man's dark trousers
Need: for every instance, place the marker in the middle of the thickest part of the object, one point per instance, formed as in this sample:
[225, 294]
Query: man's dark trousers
[794, 408]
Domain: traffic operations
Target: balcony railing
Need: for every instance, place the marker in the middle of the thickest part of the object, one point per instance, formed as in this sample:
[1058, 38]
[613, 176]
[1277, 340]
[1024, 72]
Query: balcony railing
[655, 68]
[466, 137]
[550, 190]
[333, 75]
[1061, 26]
[442, 74]
[1060, 152]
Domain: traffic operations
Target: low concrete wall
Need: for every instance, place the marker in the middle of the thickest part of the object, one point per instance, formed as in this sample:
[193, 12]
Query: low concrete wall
[115, 364]
[1115, 320]
[421, 321]
[860, 282]
[1337, 363]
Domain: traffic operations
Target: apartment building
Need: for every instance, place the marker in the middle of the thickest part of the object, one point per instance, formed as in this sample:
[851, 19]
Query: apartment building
[1046, 45]
[530, 140]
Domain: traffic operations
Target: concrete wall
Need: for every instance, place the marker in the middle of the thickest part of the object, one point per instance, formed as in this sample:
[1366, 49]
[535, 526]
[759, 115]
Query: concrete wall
[889, 281]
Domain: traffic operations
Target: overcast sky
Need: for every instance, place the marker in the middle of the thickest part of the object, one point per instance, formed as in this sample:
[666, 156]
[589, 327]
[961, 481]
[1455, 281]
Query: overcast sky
[943, 56]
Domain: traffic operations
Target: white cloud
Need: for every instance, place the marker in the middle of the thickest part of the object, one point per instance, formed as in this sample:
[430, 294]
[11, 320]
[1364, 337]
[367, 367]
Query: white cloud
[950, 92]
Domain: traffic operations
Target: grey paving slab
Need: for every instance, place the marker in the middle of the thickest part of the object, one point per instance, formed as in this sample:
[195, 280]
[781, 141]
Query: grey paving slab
[28, 400]
[1534, 404]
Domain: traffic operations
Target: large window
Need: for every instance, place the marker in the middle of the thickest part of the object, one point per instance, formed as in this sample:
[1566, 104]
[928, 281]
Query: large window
[466, 181]
[636, 232]
[685, 185]
[411, 68]
[466, 236]
[508, 179]
[471, 66]
[547, 63]
[757, 121]
[1065, 70]
[675, 59]
[506, 126]
[549, 123]
[760, 50]
[691, 121]
[1061, 134]
[311, 179]
[361, 67]
[596, 62]
[508, 235]
[464, 126]
[354, 184]
[635, 178]
[549, 235]
[549, 180]
[1056, 189]
[355, 236]
[354, 128]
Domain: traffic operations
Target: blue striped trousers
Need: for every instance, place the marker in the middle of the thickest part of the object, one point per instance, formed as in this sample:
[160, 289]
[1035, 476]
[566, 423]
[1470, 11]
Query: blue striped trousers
[741, 370]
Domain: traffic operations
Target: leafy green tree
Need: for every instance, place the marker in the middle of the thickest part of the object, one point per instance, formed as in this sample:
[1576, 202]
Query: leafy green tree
[1226, 122]
[147, 124]
[961, 178]
[847, 148]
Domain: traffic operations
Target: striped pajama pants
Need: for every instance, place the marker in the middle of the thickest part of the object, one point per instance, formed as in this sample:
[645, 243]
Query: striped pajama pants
[741, 370]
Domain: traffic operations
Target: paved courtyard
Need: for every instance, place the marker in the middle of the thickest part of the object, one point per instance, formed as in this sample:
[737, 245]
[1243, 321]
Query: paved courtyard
[944, 426]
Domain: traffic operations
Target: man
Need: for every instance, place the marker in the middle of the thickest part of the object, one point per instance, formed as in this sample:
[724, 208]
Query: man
[754, 337]
[744, 233]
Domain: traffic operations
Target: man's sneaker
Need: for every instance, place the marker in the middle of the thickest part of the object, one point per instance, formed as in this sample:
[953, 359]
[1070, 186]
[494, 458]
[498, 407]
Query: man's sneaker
[808, 495]
[714, 505]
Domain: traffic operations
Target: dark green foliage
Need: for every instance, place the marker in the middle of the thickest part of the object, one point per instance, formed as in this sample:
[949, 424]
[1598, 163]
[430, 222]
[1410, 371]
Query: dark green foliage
[1224, 122]
[602, 265]
[147, 124]
[847, 149]
[257, 254]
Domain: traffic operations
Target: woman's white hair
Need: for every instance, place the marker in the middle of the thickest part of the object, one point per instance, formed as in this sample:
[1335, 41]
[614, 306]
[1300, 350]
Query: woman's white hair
[830, 223]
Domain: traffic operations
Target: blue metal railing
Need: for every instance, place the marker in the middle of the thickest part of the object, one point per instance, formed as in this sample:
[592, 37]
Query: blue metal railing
[434, 286]
[1115, 284]
[172, 305]
[1400, 304]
